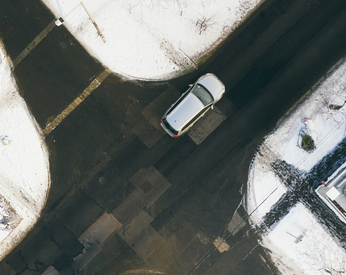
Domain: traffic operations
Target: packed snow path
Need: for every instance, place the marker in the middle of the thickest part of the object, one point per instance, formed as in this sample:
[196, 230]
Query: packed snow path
[300, 188]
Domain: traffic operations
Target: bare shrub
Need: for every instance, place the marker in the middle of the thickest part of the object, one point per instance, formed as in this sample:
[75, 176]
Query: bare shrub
[204, 23]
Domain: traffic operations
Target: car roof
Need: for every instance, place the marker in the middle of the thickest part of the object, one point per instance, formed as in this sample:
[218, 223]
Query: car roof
[185, 111]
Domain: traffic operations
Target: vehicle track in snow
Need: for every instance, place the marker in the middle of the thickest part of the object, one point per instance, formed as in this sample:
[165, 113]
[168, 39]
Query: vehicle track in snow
[301, 188]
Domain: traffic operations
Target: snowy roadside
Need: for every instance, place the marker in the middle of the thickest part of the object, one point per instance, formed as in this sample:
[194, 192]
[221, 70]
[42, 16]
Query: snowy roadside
[316, 253]
[24, 175]
[138, 45]
[321, 113]
[152, 39]
[325, 113]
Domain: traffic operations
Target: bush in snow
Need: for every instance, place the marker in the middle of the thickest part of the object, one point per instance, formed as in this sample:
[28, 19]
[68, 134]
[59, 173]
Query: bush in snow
[308, 143]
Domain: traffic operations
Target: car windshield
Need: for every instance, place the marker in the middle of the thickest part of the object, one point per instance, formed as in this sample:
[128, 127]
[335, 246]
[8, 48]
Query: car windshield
[202, 94]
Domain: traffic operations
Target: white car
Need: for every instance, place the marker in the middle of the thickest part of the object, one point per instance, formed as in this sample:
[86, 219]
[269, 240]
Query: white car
[192, 105]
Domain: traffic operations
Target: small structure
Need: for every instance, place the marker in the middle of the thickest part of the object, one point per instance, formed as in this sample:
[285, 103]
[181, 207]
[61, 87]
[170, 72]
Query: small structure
[331, 192]
[61, 20]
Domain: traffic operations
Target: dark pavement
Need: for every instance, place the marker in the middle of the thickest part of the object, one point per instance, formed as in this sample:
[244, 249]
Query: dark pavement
[160, 204]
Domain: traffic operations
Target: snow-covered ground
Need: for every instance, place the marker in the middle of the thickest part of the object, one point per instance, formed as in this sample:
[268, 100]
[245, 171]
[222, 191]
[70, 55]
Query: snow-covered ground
[325, 114]
[24, 175]
[141, 39]
[316, 253]
[151, 39]
[159, 40]
[321, 114]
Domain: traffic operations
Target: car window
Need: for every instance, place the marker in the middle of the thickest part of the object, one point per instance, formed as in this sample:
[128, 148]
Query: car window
[195, 118]
[203, 95]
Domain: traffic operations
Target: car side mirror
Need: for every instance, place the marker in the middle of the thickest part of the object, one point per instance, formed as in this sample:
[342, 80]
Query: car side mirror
[212, 107]
[190, 85]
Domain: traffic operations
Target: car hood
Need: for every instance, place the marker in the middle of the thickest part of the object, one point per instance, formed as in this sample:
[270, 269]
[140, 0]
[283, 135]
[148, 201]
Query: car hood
[187, 109]
[213, 85]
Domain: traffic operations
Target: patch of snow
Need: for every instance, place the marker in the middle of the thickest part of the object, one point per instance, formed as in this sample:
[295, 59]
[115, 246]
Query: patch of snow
[321, 113]
[325, 125]
[261, 197]
[151, 39]
[316, 254]
[24, 175]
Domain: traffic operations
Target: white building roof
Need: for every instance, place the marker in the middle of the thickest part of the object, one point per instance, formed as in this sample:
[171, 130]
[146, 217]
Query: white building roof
[333, 193]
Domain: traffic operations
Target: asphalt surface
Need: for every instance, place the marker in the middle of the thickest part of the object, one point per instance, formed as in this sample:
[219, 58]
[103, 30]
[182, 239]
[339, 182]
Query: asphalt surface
[167, 200]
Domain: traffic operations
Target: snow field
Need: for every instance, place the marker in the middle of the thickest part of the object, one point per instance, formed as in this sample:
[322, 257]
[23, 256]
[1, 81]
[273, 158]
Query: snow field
[325, 125]
[316, 254]
[24, 175]
[323, 111]
[138, 45]
[163, 46]
[261, 197]
[152, 39]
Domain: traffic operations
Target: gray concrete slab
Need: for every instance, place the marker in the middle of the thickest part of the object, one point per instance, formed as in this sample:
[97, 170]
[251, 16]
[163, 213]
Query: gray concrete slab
[181, 239]
[90, 251]
[175, 155]
[29, 272]
[191, 254]
[17, 262]
[50, 271]
[150, 185]
[155, 110]
[63, 263]
[108, 187]
[46, 249]
[168, 251]
[226, 106]
[147, 133]
[6, 269]
[128, 209]
[100, 230]
[223, 265]
[161, 259]
[92, 239]
[206, 125]
[236, 224]
[67, 241]
[141, 237]
[166, 224]
[79, 213]
[115, 258]
[136, 155]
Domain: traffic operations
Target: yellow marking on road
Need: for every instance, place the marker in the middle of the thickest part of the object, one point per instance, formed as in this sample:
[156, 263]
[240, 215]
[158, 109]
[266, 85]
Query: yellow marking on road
[33, 44]
[93, 85]
[141, 272]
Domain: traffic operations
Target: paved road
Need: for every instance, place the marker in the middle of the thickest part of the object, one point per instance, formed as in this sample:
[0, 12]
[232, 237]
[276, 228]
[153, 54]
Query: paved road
[125, 196]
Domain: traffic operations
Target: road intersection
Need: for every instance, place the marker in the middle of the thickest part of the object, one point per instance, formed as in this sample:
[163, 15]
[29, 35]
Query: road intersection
[125, 196]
